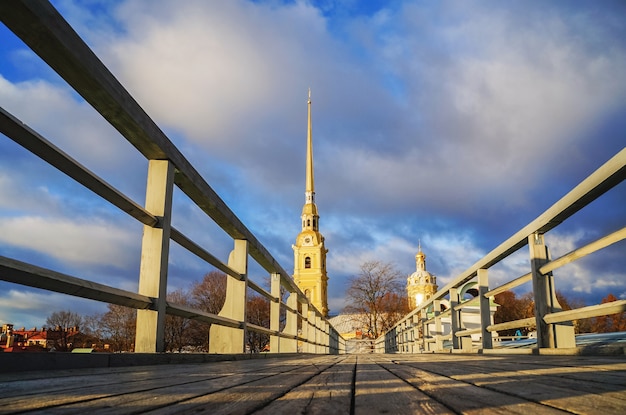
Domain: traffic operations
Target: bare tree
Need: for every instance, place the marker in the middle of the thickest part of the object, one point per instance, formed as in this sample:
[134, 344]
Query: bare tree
[207, 295]
[210, 293]
[394, 306]
[375, 293]
[258, 313]
[61, 322]
[177, 329]
[118, 327]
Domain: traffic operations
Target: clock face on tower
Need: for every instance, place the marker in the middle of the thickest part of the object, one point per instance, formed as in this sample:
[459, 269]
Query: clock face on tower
[307, 240]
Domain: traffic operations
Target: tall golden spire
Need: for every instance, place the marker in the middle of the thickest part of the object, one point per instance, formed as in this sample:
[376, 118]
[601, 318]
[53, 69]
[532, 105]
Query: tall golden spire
[309, 270]
[310, 186]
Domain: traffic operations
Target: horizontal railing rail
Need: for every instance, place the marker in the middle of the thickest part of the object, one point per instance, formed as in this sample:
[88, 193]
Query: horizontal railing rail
[423, 326]
[295, 324]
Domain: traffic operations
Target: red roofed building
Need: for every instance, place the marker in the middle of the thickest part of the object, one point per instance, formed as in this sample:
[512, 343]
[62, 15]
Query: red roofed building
[44, 339]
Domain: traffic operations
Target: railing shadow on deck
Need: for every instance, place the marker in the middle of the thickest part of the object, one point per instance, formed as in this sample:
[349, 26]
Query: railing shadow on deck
[465, 321]
[295, 324]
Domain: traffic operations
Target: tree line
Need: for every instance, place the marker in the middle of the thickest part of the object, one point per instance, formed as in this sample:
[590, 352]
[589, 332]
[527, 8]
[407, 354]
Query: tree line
[114, 330]
[511, 307]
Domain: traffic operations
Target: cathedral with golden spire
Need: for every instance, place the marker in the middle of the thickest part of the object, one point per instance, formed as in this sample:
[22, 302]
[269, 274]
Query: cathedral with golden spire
[309, 251]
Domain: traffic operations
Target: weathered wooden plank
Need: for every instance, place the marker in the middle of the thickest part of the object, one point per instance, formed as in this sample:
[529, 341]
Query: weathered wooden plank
[426, 383]
[107, 386]
[464, 397]
[330, 392]
[378, 390]
[18, 272]
[254, 395]
[546, 383]
[584, 250]
[604, 374]
[140, 389]
[162, 393]
[612, 307]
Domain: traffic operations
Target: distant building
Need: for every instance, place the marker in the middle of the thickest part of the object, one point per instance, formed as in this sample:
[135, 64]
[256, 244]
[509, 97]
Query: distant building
[44, 339]
[349, 326]
[420, 285]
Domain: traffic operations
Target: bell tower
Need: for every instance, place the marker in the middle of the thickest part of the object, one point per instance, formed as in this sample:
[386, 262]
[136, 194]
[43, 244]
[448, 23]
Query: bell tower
[309, 271]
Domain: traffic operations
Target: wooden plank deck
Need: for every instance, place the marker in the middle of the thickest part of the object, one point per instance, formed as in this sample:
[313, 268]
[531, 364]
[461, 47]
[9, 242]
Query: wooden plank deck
[347, 384]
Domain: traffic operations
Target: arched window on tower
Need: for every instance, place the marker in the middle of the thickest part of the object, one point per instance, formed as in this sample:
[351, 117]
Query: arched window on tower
[314, 223]
[307, 262]
[308, 222]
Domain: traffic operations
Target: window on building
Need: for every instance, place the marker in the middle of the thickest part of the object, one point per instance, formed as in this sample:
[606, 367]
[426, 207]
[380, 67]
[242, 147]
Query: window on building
[307, 262]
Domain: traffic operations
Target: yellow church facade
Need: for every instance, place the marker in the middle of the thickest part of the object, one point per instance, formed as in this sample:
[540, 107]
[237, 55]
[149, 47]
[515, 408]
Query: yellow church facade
[309, 251]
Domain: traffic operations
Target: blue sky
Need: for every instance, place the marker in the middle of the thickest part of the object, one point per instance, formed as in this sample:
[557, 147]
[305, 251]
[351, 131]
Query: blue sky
[452, 123]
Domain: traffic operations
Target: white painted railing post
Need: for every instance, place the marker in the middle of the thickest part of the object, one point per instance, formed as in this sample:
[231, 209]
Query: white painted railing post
[326, 336]
[455, 317]
[311, 323]
[150, 331]
[425, 332]
[275, 312]
[415, 322]
[315, 332]
[304, 324]
[224, 339]
[438, 325]
[290, 345]
[407, 336]
[485, 308]
[548, 335]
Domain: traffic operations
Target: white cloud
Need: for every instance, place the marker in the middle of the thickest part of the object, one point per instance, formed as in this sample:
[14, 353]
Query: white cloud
[14, 197]
[73, 126]
[220, 72]
[495, 97]
[79, 242]
[31, 308]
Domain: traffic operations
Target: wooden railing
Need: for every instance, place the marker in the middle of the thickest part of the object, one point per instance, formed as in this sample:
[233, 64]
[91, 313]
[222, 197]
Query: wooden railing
[47, 33]
[445, 316]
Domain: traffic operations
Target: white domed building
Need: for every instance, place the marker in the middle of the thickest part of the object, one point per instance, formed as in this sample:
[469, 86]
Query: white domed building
[421, 284]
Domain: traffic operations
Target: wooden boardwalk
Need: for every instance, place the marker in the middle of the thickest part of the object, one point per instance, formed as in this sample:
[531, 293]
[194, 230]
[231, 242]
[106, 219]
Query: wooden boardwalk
[346, 384]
